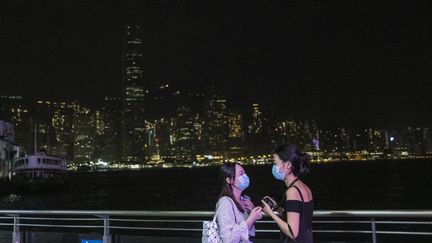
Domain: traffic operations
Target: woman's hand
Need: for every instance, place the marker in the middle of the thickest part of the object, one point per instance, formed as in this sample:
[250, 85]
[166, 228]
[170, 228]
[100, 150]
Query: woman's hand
[273, 201]
[254, 215]
[266, 208]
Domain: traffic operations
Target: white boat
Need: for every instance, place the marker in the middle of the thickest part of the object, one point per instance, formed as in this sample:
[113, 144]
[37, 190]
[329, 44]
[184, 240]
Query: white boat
[39, 171]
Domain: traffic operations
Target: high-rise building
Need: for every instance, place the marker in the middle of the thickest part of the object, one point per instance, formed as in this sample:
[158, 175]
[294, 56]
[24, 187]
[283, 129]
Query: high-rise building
[108, 120]
[235, 135]
[15, 109]
[345, 137]
[133, 124]
[62, 122]
[51, 128]
[151, 146]
[427, 141]
[256, 127]
[83, 131]
[217, 125]
[186, 134]
[8, 150]
[165, 128]
[261, 137]
[417, 140]
[376, 140]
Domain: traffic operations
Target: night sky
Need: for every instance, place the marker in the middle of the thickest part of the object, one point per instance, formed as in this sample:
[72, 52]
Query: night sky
[343, 61]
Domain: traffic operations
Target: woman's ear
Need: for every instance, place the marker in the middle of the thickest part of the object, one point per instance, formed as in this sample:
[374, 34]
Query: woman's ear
[287, 166]
[228, 180]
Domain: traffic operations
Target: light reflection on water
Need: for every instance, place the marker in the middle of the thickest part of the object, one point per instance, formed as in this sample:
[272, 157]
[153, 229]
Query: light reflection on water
[11, 199]
[344, 185]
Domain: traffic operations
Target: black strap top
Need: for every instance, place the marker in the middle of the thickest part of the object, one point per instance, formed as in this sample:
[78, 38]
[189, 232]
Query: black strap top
[305, 209]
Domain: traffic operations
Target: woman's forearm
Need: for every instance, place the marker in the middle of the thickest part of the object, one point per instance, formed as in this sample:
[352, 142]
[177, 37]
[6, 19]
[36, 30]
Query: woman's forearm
[283, 226]
[249, 222]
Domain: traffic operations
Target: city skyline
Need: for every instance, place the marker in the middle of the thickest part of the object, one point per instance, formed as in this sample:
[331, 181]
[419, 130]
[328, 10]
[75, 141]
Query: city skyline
[358, 63]
[82, 134]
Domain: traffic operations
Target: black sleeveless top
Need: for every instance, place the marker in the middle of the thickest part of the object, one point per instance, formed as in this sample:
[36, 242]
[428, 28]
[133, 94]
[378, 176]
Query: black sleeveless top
[305, 209]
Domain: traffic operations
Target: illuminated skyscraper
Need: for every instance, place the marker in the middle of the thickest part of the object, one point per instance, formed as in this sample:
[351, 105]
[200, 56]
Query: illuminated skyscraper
[376, 140]
[83, 132]
[16, 111]
[151, 146]
[53, 123]
[235, 134]
[187, 134]
[261, 135]
[133, 125]
[257, 124]
[108, 130]
[217, 129]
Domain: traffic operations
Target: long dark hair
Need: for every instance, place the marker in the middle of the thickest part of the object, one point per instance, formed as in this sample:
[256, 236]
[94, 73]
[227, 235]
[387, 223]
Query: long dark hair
[299, 160]
[227, 170]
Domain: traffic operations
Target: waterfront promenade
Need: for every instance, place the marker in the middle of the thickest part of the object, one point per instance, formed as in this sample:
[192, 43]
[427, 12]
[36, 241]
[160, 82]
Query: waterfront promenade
[37, 226]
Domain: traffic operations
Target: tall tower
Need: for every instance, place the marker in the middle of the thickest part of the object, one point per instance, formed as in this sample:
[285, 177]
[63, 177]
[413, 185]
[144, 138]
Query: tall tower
[133, 125]
[217, 128]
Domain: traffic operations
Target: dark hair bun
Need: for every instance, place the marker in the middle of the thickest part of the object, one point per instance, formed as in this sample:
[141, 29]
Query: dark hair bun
[304, 166]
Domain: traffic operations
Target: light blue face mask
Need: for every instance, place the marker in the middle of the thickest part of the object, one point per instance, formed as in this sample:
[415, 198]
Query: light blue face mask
[277, 174]
[243, 182]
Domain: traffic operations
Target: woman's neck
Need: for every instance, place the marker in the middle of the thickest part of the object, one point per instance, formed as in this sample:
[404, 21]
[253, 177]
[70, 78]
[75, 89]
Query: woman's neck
[289, 179]
[237, 193]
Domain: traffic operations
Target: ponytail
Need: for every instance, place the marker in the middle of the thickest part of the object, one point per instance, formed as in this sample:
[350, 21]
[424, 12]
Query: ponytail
[304, 164]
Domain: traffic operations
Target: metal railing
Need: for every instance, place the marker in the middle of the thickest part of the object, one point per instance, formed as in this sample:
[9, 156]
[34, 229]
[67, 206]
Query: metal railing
[413, 222]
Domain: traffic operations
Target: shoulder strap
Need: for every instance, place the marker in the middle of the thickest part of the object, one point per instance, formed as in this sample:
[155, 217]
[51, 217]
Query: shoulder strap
[232, 204]
[301, 195]
[235, 216]
[284, 195]
[216, 211]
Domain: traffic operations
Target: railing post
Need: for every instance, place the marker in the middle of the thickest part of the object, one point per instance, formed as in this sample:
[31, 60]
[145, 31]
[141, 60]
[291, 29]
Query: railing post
[16, 234]
[374, 240]
[106, 236]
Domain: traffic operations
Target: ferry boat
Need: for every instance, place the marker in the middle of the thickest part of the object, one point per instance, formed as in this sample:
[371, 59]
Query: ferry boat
[39, 171]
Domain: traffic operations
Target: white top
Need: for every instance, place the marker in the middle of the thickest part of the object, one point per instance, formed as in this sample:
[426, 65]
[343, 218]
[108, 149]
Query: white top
[231, 222]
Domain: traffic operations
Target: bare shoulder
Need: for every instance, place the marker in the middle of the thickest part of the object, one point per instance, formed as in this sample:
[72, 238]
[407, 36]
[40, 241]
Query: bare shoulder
[309, 194]
[292, 194]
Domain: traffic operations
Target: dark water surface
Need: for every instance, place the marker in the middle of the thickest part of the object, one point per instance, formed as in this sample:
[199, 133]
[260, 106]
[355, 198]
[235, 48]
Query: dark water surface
[401, 184]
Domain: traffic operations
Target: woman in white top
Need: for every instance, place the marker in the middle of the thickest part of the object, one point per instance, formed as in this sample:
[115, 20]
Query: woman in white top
[236, 214]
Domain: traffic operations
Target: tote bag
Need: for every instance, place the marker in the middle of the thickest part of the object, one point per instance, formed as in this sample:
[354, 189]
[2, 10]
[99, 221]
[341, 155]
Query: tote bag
[210, 233]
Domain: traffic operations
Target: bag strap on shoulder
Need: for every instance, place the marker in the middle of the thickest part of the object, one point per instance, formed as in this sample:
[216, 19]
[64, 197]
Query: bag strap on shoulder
[217, 210]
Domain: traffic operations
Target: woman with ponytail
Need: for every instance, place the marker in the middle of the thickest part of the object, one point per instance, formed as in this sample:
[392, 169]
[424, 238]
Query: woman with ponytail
[235, 213]
[295, 222]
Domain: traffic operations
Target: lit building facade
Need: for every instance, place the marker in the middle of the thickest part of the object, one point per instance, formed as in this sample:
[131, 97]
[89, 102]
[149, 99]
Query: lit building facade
[187, 134]
[83, 132]
[216, 127]
[235, 134]
[14, 109]
[133, 125]
[108, 130]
